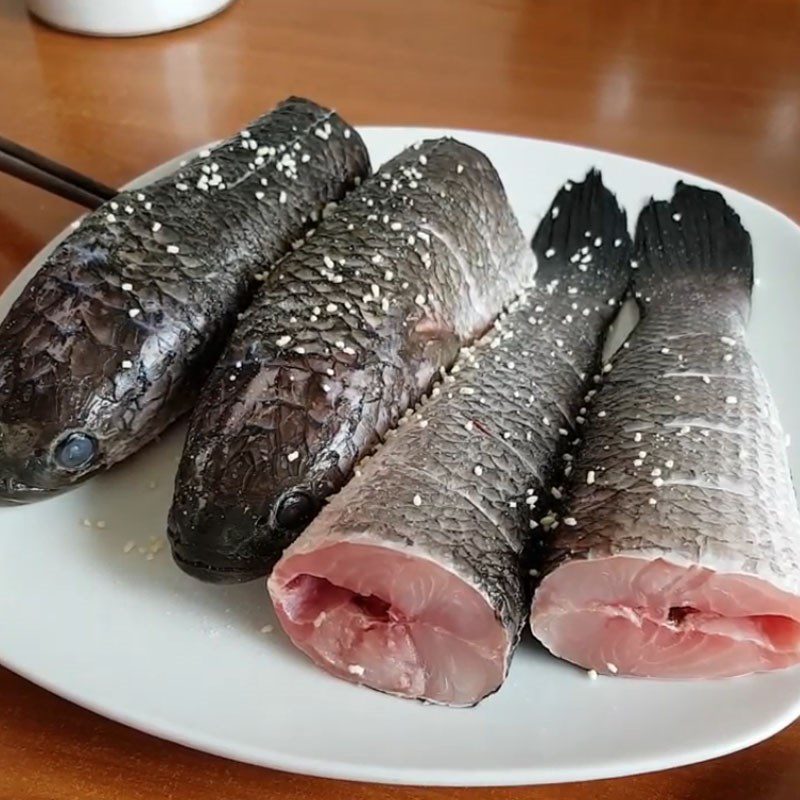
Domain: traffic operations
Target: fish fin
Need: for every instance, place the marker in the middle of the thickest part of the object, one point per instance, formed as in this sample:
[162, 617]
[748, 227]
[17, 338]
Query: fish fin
[595, 263]
[696, 236]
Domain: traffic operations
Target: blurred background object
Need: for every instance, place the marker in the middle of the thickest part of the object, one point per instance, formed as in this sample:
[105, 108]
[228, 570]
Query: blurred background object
[124, 17]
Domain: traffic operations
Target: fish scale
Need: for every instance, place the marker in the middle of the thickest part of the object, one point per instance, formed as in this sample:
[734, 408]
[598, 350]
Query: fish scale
[460, 484]
[113, 336]
[328, 367]
[692, 483]
[700, 434]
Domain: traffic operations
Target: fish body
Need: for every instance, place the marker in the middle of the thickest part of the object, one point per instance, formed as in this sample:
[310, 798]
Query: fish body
[110, 341]
[413, 579]
[684, 561]
[346, 335]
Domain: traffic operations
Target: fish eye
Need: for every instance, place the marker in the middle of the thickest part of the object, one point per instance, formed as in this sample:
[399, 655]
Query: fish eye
[295, 510]
[75, 451]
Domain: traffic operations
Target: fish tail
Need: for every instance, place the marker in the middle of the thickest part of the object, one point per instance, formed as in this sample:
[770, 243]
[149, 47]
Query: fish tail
[694, 238]
[583, 239]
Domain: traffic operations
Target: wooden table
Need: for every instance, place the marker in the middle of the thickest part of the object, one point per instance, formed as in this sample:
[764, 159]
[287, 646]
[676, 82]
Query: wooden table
[710, 86]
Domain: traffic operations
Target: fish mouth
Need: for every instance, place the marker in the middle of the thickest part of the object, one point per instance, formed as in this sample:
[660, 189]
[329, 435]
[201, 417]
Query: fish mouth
[222, 573]
[15, 493]
[223, 544]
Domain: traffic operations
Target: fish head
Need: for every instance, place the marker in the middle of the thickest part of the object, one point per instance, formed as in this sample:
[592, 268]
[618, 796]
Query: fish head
[43, 448]
[82, 381]
[256, 471]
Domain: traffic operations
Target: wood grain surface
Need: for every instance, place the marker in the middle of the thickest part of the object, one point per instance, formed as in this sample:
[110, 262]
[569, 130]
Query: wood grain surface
[709, 86]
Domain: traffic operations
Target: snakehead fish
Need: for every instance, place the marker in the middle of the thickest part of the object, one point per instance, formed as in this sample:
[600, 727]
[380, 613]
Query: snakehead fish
[684, 559]
[413, 580]
[112, 338]
[347, 334]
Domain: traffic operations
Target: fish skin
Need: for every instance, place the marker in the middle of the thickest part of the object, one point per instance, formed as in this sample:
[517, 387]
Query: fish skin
[72, 358]
[465, 258]
[726, 502]
[451, 485]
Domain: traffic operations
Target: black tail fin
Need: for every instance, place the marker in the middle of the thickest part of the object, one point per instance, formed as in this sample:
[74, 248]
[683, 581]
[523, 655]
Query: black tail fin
[695, 239]
[583, 239]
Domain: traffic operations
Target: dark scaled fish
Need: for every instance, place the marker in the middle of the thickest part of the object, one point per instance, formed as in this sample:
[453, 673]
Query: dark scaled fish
[348, 333]
[412, 580]
[111, 340]
[684, 557]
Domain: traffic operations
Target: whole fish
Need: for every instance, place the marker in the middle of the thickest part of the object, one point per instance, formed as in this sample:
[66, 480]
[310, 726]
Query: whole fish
[684, 557]
[413, 579]
[349, 332]
[112, 338]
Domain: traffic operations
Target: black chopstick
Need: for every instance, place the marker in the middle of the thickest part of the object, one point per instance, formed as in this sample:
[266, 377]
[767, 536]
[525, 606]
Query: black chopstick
[53, 177]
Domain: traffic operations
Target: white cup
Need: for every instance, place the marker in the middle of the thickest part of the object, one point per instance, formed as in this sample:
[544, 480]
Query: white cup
[124, 17]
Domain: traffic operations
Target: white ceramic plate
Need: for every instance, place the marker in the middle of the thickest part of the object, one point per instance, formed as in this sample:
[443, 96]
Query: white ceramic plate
[138, 641]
